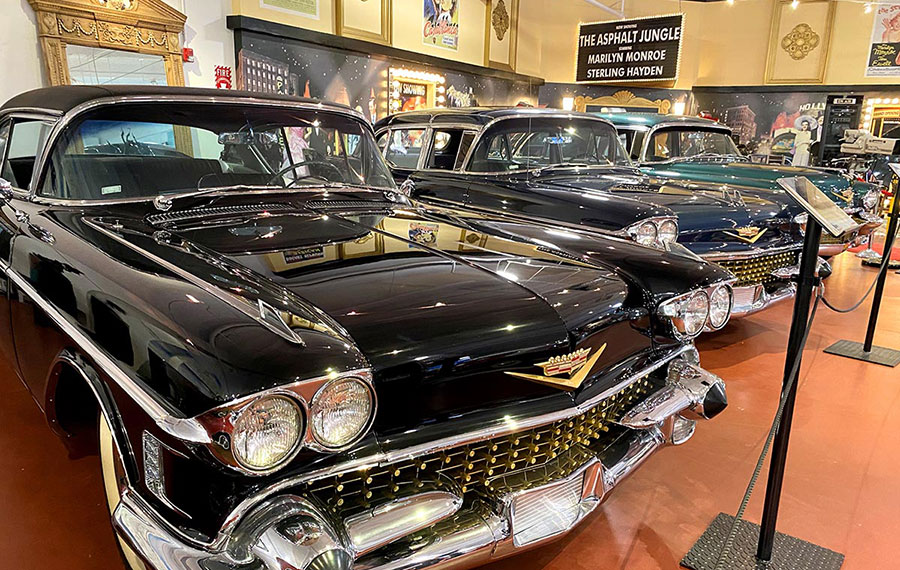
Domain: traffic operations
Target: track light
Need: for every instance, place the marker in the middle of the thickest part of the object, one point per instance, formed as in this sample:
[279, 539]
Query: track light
[794, 4]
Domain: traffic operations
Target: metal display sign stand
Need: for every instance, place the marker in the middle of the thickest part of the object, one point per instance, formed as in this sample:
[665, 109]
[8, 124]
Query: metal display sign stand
[866, 351]
[740, 545]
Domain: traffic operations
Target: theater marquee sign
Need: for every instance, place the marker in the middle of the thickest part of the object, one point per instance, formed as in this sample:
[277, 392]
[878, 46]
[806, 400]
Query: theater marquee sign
[628, 51]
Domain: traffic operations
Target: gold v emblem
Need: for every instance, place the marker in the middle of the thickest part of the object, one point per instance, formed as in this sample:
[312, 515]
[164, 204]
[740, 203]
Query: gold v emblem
[749, 235]
[577, 364]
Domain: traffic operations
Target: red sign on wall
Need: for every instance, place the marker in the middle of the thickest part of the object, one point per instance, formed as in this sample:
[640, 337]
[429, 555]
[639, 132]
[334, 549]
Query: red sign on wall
[223, 77]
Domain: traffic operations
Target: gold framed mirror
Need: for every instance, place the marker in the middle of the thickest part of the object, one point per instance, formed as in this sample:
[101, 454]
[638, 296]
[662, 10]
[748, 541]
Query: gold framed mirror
[101, 42]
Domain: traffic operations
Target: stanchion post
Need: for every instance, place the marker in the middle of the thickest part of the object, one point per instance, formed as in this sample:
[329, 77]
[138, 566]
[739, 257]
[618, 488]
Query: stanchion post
[807, 282]
[882, 272]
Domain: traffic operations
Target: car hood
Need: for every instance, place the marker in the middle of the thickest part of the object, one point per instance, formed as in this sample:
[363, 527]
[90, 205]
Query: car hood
[760, 177]
[438, 306]
[701, 207]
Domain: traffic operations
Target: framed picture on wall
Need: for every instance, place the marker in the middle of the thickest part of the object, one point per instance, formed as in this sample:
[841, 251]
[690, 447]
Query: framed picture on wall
[368, 20]
[501, 21]
[799, 41]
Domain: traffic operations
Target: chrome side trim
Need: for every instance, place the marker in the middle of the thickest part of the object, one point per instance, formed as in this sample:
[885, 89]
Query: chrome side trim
[181, 428]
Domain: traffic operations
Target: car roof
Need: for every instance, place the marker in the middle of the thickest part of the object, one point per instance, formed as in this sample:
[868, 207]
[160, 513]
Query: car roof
[475, 116]
[654, 119]
[63, 98]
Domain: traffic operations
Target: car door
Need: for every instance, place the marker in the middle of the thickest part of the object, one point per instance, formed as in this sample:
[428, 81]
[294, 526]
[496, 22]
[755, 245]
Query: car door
[34, 258]
[7, 231]
[441, 179]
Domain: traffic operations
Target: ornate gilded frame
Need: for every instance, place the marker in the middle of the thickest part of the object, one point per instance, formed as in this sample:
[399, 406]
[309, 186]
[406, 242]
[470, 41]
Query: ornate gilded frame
[143, 26]
[512, 31]
[384, 38]
[775, 43]
[623, 98]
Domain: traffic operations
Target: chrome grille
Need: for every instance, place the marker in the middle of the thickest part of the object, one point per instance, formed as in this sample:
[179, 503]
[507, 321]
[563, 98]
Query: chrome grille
[758, 270]
[492, 467]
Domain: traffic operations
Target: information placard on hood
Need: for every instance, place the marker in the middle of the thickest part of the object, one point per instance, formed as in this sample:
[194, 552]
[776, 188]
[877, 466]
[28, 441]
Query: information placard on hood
[626, 51]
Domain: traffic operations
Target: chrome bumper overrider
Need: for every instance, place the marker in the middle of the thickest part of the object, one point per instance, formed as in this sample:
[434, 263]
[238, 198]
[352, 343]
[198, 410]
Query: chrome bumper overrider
[437, 529]
[755, 298]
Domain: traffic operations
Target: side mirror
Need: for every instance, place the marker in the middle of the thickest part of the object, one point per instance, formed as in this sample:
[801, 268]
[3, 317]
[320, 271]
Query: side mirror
[6, 190]
[408, 187]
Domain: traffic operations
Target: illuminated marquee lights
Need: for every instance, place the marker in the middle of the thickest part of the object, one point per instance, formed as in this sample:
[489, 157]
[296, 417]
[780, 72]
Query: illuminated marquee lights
[397, 74]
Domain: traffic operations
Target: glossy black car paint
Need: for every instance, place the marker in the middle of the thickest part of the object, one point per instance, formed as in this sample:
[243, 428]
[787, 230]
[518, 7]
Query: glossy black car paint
[437, 318]
[605, 198]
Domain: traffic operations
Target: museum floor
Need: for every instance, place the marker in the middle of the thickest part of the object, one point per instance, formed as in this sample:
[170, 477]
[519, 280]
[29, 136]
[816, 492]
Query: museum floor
[840, 491]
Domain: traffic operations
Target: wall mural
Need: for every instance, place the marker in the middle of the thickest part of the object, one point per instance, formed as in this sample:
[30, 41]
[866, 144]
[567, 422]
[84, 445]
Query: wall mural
[768, 124]
[291, 67]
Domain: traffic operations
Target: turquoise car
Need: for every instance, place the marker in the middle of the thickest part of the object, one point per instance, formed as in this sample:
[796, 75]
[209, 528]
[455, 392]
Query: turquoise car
[700, 150]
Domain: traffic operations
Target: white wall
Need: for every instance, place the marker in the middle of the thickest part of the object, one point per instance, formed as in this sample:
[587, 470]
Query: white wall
[21, 66]
[206, 34]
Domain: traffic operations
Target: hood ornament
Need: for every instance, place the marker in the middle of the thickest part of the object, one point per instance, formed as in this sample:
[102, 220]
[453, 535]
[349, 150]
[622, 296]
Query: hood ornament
[577, 365]
[749, 234]
[733, 196]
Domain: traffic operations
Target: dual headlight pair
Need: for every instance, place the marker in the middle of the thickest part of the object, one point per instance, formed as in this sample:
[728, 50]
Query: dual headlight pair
[692, 312]
[654, 232]
[269, 430]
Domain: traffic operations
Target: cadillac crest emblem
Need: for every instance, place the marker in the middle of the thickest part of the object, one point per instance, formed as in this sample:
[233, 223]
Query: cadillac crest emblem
[577, 365]
[748, 234]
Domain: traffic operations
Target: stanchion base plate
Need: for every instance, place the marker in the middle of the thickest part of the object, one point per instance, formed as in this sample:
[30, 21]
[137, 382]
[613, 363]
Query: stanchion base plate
[878, 354]
[788, 553]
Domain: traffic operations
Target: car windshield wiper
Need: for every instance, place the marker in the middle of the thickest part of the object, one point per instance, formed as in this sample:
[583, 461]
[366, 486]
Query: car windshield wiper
[562, 165]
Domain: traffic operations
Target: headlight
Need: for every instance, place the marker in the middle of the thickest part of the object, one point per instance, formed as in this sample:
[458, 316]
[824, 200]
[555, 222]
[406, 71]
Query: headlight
[720, 306]
[645, 234]
[668, 232]
[687, 313]
[267, 433]
[340, 412]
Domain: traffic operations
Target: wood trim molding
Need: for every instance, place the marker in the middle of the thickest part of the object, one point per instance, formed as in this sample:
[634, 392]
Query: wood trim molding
[142, 26]
[623, 99]
[512, 15]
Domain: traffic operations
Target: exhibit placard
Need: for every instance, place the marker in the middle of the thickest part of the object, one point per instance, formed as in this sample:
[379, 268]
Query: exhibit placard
[628, 51]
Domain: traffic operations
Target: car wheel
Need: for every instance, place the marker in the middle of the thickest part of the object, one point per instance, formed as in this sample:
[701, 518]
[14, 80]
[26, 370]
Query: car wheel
[113, 484]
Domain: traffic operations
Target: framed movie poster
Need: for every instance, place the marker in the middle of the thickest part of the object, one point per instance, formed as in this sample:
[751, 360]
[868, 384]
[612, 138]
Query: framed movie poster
[799, 41]
[884, 49]
[440, 23]
[368, 20]
[501, 21]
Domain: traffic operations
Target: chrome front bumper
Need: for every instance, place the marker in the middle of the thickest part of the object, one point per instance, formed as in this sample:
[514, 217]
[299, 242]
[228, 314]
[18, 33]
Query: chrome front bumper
[755, 298]
[435, 529]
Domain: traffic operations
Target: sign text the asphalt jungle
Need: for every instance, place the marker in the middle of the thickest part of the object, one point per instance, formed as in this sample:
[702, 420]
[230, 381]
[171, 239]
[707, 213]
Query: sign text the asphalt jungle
[630, 50]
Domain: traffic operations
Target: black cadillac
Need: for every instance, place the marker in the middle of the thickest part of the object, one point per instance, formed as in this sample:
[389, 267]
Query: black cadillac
[572, 169]
[294, 366]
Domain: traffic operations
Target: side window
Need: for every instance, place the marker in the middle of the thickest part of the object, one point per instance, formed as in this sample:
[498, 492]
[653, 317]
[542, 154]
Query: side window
[404, 147]
[382, 140]
[26, 140]
[450, 148]
[465, 144]
[4, 136]
[661, 147]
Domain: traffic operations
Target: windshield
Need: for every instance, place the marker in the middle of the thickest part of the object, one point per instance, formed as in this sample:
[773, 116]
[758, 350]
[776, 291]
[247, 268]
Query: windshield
[538, 142]
[667, 144]
[144, 150]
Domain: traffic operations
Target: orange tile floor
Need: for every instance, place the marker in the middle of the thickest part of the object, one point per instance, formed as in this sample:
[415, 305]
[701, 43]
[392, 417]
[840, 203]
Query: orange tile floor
[840, 489]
